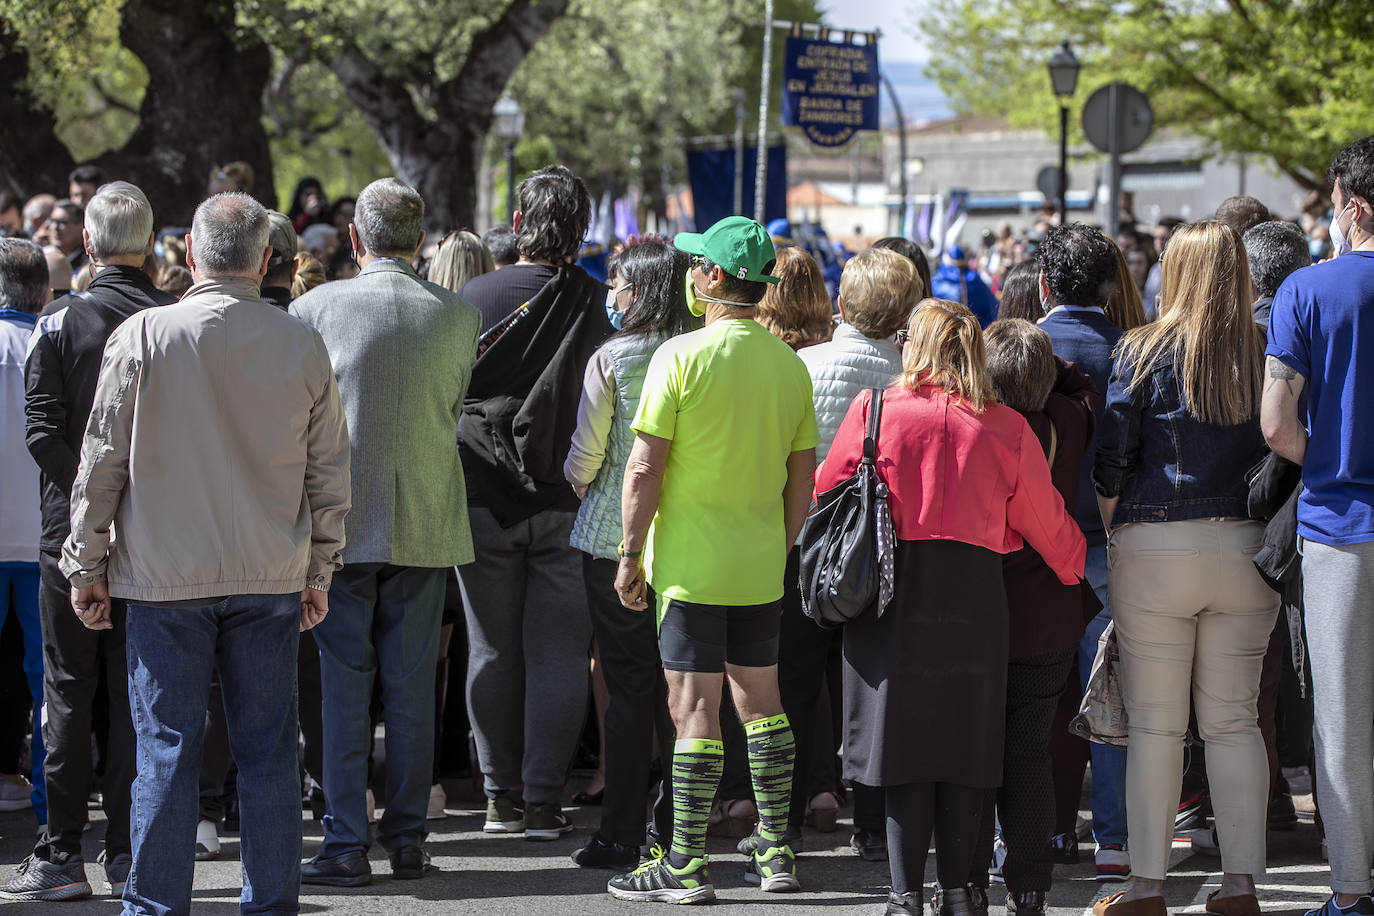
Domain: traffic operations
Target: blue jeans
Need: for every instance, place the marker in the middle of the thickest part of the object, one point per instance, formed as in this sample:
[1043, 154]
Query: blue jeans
[19, 593]
[383, 623]
[171, 651]
[1107, 790]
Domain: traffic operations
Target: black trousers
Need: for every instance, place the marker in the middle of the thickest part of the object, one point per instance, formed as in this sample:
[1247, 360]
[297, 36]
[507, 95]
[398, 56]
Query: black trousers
[914, 810]
[72, 657]
[636, 708]
[803, 650]
[1026, 800]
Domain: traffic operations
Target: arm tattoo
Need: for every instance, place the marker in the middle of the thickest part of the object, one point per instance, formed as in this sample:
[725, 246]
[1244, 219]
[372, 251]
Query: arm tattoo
[1280, 369]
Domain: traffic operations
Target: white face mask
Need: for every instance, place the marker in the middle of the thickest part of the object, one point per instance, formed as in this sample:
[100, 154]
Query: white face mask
[1340, 242]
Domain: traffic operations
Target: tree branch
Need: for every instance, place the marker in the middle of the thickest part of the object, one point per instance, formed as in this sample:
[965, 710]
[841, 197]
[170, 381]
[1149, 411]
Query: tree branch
[493, 57]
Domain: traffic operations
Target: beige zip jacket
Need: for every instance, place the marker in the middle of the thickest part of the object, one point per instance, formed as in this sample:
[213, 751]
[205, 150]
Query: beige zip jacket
[215, 462]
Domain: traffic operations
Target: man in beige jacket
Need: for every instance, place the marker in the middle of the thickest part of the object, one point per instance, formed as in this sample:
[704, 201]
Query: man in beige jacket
[211, 496]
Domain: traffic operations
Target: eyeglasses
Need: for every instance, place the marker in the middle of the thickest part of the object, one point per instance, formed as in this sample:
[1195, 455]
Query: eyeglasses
[700, 261]
[902, 337]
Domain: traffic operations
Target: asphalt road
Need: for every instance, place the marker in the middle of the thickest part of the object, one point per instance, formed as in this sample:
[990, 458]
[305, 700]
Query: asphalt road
[476, 873]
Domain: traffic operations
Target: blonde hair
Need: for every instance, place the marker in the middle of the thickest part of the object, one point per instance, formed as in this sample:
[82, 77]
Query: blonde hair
[878, 290]
[309, 274]
[461, 256]
[945, 349]
[1205, 326]
[796, 310]
[1124, 308]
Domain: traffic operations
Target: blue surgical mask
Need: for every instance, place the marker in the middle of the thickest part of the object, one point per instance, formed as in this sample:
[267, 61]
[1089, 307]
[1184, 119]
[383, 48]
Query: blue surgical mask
[613, 314]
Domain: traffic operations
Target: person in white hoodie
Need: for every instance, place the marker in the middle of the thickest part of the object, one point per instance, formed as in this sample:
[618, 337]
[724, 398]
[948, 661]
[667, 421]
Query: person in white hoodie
[23, 293]
[878, 290]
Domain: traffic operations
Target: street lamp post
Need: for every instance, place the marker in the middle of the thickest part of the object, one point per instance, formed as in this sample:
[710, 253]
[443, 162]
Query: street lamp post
[1063, 67]
[510, 124]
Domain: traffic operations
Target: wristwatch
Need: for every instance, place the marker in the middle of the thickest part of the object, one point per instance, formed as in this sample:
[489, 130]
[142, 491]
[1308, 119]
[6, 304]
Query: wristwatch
[623, 553]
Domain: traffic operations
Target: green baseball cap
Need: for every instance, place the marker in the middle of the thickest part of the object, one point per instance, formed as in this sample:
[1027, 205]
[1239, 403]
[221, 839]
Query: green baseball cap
[741, 247]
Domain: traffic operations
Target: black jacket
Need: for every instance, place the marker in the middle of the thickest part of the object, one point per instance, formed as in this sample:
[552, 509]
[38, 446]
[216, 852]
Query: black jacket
[60, 376]
[521, 407]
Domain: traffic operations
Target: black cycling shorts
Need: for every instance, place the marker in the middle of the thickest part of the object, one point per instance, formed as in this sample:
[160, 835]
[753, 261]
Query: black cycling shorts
[704, 638]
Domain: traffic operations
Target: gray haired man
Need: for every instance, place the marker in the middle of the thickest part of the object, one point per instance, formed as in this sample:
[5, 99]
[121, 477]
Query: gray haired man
[60, 374]
[211, 496]
[403, 350]
[1274, 249]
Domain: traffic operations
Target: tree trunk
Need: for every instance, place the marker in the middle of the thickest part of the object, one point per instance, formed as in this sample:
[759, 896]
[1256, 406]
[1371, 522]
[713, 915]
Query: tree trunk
[32, 158]
[202, 108]
[440, 156]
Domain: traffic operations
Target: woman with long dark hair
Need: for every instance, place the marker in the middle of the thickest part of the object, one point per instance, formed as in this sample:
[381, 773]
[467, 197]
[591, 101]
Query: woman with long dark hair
[648, 305]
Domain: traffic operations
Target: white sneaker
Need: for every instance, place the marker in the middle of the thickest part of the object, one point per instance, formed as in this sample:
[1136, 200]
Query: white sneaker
[14, 792]
[371, 808]
[1205, 841]
[207, 841]
[437, 800]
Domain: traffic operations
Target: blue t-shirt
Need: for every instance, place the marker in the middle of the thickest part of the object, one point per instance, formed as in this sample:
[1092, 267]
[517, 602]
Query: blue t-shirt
[1322, 325]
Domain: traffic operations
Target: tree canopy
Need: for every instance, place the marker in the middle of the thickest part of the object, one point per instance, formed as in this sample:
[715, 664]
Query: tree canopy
[349, 89]
[1277, 79]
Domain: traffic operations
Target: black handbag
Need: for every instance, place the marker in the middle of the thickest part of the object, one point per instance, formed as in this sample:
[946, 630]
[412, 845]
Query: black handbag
[847, 541]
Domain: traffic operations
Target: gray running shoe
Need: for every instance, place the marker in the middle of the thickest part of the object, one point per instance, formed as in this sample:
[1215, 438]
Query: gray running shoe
[39, 879]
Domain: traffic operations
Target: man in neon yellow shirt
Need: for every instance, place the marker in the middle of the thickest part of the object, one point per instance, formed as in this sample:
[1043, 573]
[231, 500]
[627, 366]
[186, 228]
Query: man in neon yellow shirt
[716, 488]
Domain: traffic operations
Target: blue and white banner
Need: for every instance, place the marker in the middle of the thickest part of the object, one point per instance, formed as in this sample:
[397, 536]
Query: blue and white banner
[829, 88]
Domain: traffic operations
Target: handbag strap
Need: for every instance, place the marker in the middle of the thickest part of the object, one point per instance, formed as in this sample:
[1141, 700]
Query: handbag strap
[875, 413]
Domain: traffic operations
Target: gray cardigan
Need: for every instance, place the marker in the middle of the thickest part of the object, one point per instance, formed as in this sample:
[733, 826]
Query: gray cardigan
[402, 350]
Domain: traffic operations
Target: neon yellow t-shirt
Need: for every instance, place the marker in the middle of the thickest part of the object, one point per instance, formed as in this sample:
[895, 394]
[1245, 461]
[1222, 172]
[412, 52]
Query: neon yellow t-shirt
[735, 401]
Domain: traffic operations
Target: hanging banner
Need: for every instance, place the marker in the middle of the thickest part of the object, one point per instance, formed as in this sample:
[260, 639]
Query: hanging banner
[830, 89]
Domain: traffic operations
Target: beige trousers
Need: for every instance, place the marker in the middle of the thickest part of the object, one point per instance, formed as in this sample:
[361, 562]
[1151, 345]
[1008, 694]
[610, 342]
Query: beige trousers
[1193, 617]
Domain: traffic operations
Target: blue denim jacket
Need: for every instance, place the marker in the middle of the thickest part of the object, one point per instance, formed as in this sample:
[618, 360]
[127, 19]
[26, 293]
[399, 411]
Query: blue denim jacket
[1165, 464]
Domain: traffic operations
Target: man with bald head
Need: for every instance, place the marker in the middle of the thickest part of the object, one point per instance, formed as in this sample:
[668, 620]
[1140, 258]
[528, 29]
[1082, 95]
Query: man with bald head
[261, 478]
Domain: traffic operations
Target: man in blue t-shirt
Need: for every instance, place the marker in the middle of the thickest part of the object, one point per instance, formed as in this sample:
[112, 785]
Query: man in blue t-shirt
[1321, 343]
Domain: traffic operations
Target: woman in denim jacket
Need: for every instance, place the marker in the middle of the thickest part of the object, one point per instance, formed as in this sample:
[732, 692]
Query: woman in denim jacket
[1192, 615]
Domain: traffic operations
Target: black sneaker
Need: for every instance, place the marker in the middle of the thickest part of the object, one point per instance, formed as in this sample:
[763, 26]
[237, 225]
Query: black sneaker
[40, 879]
[978, 899]
[773, 868]
[904, 905]
[750, 844]
[869, 845]
[1026, 903]
[603, 853]
[409, 863]
[657, 881]
[348, 870]
[545, 822]
[1282, 814]
[117, 870]
[1064, 849]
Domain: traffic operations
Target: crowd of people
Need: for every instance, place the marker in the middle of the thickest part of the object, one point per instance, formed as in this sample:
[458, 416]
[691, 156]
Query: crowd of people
[257, 501]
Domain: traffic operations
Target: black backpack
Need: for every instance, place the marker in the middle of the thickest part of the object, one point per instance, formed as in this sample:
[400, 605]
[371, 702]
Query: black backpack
[847, 541]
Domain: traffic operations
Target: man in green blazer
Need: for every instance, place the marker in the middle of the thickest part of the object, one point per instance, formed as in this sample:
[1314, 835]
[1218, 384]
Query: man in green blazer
[402, 349]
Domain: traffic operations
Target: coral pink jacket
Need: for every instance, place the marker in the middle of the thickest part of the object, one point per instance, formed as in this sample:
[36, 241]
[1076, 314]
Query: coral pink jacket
[956, 474]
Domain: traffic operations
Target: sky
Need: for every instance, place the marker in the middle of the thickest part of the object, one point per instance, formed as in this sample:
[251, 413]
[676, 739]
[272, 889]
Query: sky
[901, 54]
[891, 17]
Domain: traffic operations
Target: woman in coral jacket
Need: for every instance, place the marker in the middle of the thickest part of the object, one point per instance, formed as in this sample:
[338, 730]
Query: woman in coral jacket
[925, 680]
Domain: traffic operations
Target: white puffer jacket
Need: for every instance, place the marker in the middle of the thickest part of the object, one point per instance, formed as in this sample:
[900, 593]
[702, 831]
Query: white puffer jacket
[841, 368]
